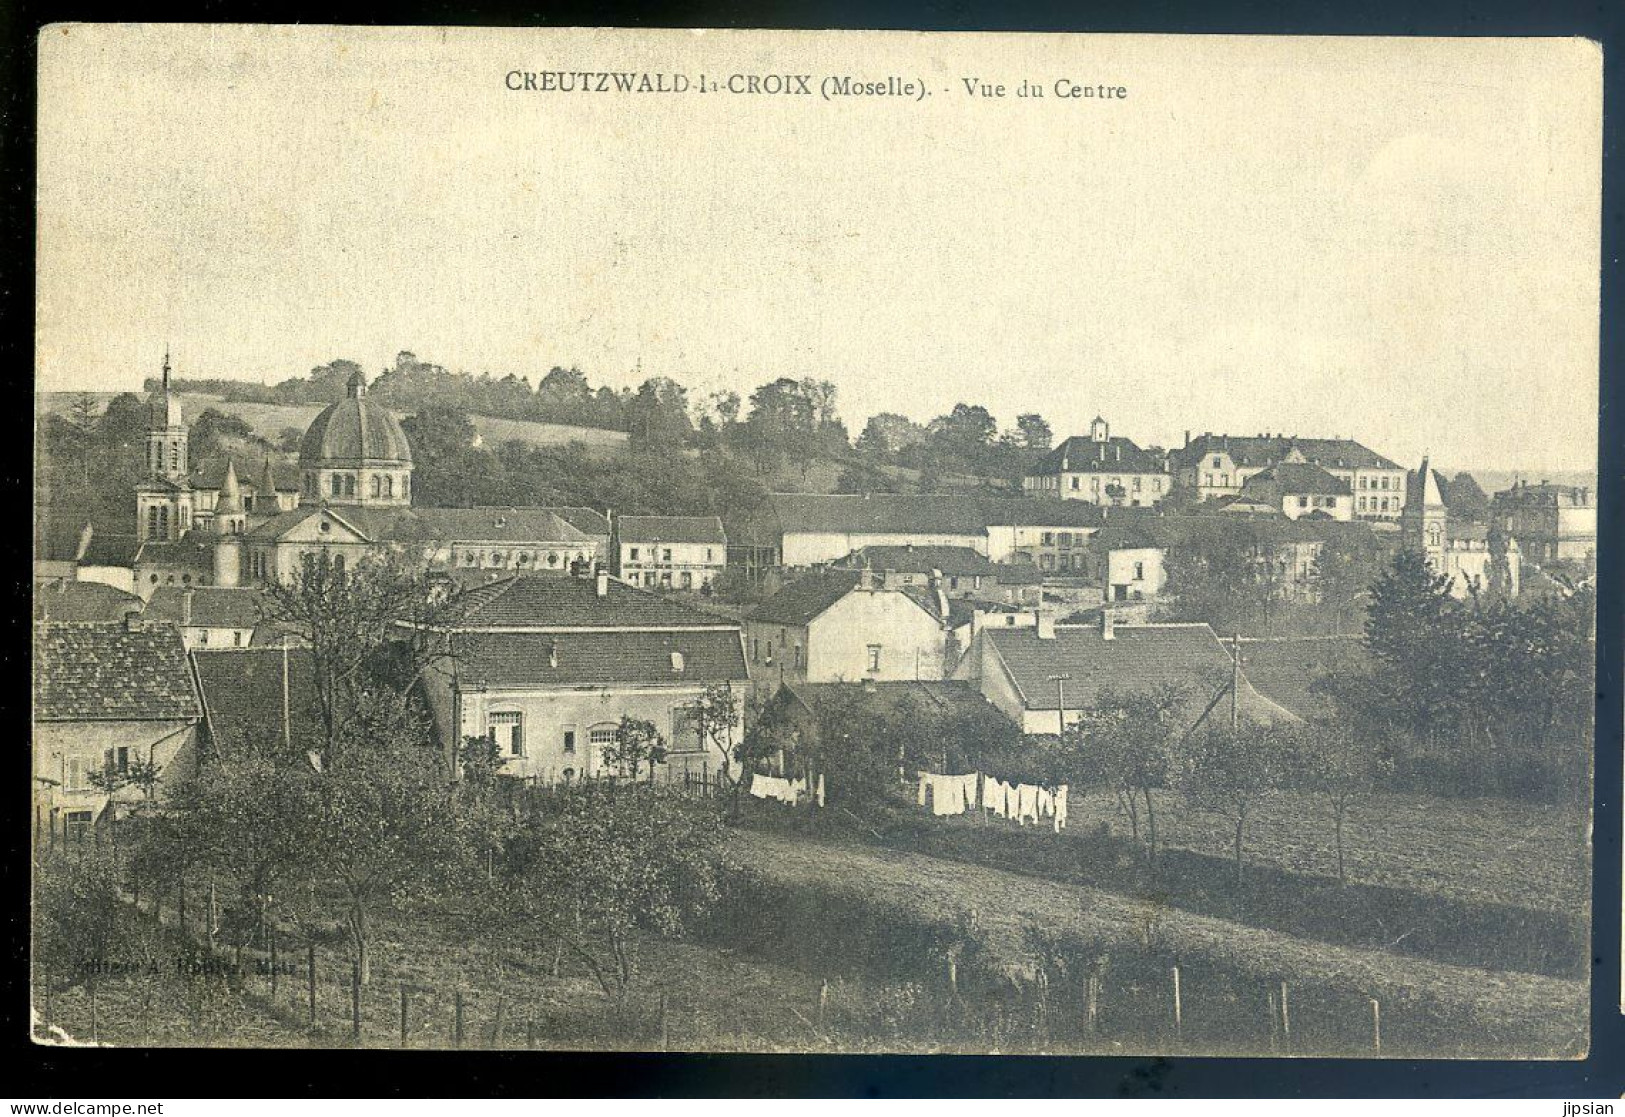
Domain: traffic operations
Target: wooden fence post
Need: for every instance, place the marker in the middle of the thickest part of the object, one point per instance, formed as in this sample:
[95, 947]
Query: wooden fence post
[1178, 1021]
[1286, 1021]
[1094, 1001]
[457, 1016]
[663, 1020]
[310, 968]
[403, 1014]
[1376, 1025]
[530, 1032]
[1275, 1021]
[823, 1001]
[355, 999]
[498, 1019]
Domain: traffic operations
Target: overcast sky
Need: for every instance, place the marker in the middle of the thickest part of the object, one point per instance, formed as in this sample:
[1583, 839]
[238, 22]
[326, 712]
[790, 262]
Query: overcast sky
[1391, 240]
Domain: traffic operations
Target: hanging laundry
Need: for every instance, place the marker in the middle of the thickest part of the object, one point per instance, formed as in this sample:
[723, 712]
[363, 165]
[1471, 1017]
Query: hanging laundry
[1027, 803]
[925, 778]
[820, 795]
[1060, 808]
[994, 796]
[1046, 803]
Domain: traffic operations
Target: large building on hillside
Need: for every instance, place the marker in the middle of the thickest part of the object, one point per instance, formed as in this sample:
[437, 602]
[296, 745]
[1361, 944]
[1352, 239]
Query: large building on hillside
[1102, 469]
[1299, 489]
[1552, 523]
[796, 530]
[1219, 465]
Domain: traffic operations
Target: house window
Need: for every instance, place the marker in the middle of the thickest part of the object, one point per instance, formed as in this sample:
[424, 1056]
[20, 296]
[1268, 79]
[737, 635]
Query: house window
[569, 740]
[338, 485]
[1303, 502]
[874, 658]
[1156, 484]
[688, 580]
[708, 555]
[1382, 483]
[601, 737]
[1047, 539]
[1139, 572]
[665, 554]
[237, 639]
[798, 656]
[1074, 482]
[1137, 481]
[119, 759]
[75, 776]
[507, 732]
[203, 637]
[634, 551]
[1216, 463]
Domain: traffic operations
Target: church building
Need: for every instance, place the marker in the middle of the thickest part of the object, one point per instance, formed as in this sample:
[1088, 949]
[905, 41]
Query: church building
[1474, 556]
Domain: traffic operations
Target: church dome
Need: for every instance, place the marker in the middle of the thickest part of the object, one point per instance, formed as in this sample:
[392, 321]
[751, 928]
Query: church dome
[355, 430]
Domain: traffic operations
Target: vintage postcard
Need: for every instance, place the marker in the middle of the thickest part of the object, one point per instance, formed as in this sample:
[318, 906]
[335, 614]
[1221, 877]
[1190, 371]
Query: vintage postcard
[814, 541]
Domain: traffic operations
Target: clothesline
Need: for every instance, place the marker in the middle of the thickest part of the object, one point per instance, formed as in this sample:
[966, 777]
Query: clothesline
[782, 790]
[1028, 804]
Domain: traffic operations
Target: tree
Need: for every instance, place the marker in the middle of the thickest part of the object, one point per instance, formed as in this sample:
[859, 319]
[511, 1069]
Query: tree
[716, 717]
[1034, 431]
[1340, 766]
[965, 430]
[1413, 630]
[658, 414]
[1343, 571]
[782, 421]
[1125, 740]
[360, 624]
[600, 860]
[888, 434]
[210, 431]
[637, 742]
[1229, 772]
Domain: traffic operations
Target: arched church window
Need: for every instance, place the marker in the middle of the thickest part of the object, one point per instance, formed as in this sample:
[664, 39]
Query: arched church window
[552, 558]
[377, 486]
[349, 484]
[1434, 535]
[389, 485]
[337, 485]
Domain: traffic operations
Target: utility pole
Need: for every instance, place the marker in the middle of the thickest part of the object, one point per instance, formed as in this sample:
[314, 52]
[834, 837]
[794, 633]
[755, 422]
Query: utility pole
[1060, 682]
[1235, 676]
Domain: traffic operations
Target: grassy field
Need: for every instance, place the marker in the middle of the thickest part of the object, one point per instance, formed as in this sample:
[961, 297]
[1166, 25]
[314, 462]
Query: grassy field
[1490, 1012]
[1495, 850]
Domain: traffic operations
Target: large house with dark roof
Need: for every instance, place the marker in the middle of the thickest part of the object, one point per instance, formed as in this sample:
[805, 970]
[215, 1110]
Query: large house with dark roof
[255, 696]
[959, 572]
[107, 696]
[845, 625]
[210, 618]
[796, 530]
[546, 667]
[1103, 469]
[1219, 465]
[669, 552]
[1299, 489]
[1043, 677]
[67, 600]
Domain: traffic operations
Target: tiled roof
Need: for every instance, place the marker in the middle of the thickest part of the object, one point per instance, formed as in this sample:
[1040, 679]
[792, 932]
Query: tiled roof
[1038, 512]
[582, 519]
[890, 513]
[800, 601]
[110, 550]
[951, 561]
[193, 551]
[671, 529]
[553, 602]
[520, 659]
[1291, 478]
[242, 692]
[268, 531]
[1138, 659]
[1333, 453]
[947, 700]
[1286, 670]
[1123, 532]
[211, 606]
[517, 525]
[107, 672]
[1082, 455]
[83, 601]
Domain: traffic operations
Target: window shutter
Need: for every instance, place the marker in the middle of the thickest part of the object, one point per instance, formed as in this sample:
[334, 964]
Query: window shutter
[519, 739]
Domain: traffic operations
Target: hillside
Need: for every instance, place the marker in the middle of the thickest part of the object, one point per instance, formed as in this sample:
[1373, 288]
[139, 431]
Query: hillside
[269, 420]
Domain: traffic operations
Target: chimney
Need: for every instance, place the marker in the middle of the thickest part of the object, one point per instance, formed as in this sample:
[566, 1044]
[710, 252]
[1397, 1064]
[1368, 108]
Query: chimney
[1117, 453]
[1187, 439]
[186, 606]
[1106, 631]
[1046, 623]
[602, 583]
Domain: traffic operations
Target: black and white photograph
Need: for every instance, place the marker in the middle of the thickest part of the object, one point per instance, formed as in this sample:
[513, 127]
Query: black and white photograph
[814, 542]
